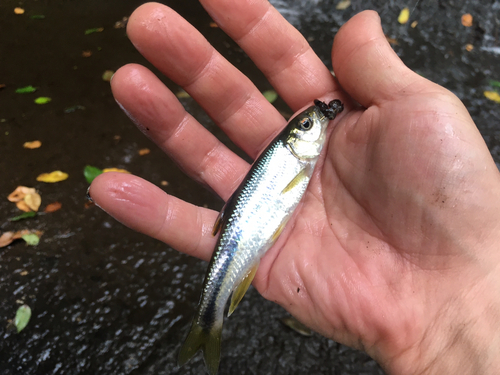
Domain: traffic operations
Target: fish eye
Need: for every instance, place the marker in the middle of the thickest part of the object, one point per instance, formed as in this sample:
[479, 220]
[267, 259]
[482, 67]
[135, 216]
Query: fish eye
[306, 124]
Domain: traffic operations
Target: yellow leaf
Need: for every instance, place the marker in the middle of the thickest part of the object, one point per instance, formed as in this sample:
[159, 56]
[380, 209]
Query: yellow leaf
[51, 177]
[404, 16]
[344, 4]
[18, 10]
[115, 170]
[492, 95]
[33, 201]
[144, 151]
[32, 145]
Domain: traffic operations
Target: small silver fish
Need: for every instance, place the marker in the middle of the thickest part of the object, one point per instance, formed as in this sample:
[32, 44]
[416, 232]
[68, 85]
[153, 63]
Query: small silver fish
[251, 222]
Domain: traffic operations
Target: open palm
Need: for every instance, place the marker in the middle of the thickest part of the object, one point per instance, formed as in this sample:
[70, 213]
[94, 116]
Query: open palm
[383, 242]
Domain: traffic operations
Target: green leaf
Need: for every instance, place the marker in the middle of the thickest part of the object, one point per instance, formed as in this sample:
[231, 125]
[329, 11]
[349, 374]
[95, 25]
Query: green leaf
[22, 318]
[94, 30]
[270, 95]
[42, 100]
[91, 172]
[25, 215]
[31, 239]
[37, 17]
[494, 83]
[25, 90]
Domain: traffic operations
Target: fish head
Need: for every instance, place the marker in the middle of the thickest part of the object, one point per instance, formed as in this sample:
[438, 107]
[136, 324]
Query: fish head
[306, 133]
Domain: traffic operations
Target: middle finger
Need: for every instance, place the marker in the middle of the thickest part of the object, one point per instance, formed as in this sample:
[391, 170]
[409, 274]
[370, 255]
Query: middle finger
[184, 55]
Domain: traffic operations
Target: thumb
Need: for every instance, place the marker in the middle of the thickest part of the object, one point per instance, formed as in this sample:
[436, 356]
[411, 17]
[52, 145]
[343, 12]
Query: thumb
[365, 64]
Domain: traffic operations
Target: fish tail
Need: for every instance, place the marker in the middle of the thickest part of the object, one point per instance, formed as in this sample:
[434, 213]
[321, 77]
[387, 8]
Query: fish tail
[208, 340]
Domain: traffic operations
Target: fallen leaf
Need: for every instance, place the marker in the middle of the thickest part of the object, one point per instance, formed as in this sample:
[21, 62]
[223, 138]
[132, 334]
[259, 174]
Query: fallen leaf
[404, 16]
[182, 94]
[23, 315]
[392, 40]
[23, 273]
[18, 10]
[115, 170]
[25, 90]
[121, 24]
[86, 53]
[270, 95]
[91, 172]
[52, 177]
[2, 86]
[144, 151]
[492, 95]
[74, 108]
[414, 24]
[469, 47]
[20, 192]
[494, 83]
[53, 207]
[23, 216]
[23, 206]
[31, 239]
[33, 201]
[107, 75]
[164, 183]
[213, 24]
[37, 17]
[467, 20]
[344, 4]
[94, 30]
[7, 237]
[33, 144]
[42, 100]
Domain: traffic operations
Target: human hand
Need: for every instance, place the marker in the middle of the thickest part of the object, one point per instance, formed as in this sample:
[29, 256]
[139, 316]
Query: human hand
[393, 250]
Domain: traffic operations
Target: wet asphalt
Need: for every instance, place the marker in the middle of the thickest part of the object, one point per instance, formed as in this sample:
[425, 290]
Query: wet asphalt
[107, 300]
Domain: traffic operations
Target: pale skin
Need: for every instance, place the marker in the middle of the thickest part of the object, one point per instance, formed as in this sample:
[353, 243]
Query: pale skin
[395, 248]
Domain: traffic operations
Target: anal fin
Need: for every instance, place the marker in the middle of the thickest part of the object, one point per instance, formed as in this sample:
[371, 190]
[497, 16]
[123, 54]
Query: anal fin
[241, 289]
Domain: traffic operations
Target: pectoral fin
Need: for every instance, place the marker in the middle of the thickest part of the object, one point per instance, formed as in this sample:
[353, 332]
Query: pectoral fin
[222, 218]
[241, 289]
[296, 180]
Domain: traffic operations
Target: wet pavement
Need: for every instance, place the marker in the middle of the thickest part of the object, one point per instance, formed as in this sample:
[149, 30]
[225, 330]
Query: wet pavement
[107, 300]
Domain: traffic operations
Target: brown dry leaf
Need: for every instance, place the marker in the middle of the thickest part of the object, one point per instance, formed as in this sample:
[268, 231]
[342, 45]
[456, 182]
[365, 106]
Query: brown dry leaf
[213, 24]
[18, 10]
[8, 237]
[23, 206]
[164, 183]
[19, 194]
[86, 53]
[467, 20]
[33, 144]
[23, 273]
[52, 177]
[33, 201]
[469, 47]
[53, 207]
[414, 24]
[392, 40]
[144, 151]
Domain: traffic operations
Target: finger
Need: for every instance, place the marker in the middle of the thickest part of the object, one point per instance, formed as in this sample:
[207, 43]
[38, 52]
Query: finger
[366, 65]
[185, 56]
[158, 113]
[146, 208]
[276, 47]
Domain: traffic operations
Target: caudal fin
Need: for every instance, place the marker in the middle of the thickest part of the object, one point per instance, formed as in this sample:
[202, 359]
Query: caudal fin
[208, 340]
